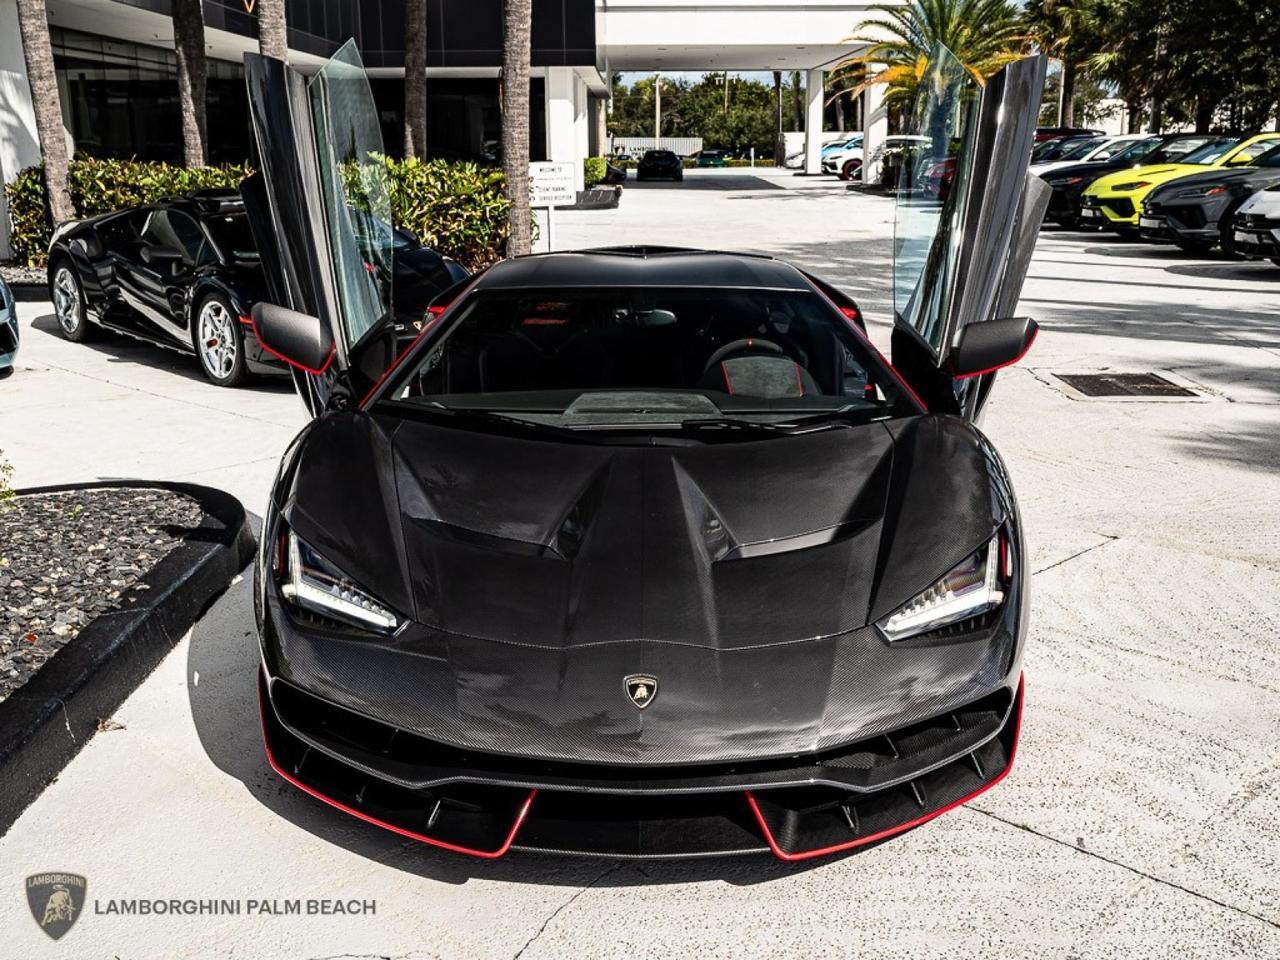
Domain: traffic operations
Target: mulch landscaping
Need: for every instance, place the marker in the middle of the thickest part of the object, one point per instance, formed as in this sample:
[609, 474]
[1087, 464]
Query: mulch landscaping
[68, 557]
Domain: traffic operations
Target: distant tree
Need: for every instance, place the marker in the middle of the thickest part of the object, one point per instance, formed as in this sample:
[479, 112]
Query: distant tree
[517, 26]
[797, 101]
[984, 35]
[415, 78]
[193, 68]
[33, 24]
[273, 30]
[1068, 31]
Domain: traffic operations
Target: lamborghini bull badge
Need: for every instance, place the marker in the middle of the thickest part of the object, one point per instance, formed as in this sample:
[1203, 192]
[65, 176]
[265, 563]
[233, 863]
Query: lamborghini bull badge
[641, 689]
[56, 900]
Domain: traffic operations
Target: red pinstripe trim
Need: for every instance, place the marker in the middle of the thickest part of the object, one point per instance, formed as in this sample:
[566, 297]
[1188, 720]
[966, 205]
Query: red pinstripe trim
[728, 384]
[799, 382]
[1001, 366]
[900, 828]
[872, 347]
[333, 349]
[360, 815]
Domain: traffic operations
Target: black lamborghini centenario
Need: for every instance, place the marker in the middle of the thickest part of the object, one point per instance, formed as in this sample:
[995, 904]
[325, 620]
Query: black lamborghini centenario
[642, 551]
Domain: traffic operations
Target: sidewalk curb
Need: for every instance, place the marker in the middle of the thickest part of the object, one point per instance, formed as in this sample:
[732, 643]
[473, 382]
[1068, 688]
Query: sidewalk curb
[47, 721]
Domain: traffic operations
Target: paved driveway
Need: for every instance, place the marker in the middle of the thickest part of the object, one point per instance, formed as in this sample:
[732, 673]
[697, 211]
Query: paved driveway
[1140, 819]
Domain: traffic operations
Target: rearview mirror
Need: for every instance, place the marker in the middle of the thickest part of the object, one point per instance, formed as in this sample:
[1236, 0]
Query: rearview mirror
[986, 347]
[299, 339]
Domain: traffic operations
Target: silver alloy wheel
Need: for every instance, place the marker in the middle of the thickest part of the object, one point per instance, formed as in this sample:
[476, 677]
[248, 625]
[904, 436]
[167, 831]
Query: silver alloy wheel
[217, 339]
[66, 299]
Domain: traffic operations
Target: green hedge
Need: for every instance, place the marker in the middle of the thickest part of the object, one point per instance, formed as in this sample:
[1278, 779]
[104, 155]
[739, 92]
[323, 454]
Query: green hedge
[100, 186]
[457, 209]
[593, 171]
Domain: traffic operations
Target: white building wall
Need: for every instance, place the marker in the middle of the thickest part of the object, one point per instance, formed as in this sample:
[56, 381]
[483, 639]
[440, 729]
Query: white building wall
[567, 118]
[19, 142]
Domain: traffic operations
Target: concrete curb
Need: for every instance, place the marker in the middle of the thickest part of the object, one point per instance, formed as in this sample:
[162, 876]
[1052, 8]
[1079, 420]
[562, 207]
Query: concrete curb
[46, 722]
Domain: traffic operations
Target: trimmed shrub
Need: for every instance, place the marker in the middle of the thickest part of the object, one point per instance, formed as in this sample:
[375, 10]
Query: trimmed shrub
[593, 170]
[100, 186]
[457, 209]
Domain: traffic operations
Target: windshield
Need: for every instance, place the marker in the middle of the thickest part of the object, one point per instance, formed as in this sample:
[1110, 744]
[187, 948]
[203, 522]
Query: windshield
[1210, 152]
[653, 358]
[1175, 150]
[1079, 150]
[1269, 159]
[1127, 149]
[233, 237]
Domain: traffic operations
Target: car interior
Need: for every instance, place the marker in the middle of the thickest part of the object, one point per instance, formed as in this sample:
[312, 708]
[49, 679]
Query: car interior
[757, 344]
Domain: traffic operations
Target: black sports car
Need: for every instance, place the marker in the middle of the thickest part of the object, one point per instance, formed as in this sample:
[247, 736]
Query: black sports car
[1197, 212]
[660, 164]
[185, 273]
[1069, 183]
[643, 551]
[8, 330]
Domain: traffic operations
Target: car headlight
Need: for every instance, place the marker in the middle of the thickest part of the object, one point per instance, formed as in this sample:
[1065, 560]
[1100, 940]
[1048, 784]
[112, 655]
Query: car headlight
[313, 583]
[1132, 185]
[1192, 193]
[1065, 181]
[971, 588]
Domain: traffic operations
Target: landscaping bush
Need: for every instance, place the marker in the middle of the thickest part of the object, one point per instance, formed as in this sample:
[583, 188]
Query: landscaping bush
[100, 186]
[593, 169]
[457, 209]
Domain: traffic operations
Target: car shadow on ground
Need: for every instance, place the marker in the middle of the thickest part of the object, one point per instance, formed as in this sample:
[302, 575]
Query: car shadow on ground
[222, 665]
[118, 348]
[705, 181]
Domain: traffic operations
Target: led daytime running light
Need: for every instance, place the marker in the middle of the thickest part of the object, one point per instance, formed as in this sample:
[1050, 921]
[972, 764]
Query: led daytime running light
[314, 584]
[969, 589]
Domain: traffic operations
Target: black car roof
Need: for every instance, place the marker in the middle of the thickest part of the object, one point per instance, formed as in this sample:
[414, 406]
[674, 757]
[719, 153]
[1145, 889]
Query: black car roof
[644, 266]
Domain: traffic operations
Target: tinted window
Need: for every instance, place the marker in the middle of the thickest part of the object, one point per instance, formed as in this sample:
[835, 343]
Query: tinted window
[1209, 152]
[1127, 149]
[232, 235]
[1252, 152]
[175, 231]
[649, 355]
[1269, 159]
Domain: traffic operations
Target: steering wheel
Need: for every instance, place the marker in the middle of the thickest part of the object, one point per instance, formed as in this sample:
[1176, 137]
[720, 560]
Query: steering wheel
[742, 346]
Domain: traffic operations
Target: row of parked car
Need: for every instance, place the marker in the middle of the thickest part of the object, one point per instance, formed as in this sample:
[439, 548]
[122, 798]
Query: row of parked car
[1195, 190]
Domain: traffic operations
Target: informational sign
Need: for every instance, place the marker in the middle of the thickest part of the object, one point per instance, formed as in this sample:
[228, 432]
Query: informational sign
[552, 184]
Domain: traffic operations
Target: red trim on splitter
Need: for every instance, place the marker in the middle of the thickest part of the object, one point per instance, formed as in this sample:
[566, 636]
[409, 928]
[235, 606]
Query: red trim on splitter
[900, 828]
[1001, 366]
[360, 815]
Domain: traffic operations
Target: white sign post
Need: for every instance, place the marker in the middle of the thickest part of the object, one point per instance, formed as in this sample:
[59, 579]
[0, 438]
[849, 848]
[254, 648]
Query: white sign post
[552, 184]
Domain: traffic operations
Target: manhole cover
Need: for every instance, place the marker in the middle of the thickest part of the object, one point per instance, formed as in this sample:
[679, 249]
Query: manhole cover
[1124, 385]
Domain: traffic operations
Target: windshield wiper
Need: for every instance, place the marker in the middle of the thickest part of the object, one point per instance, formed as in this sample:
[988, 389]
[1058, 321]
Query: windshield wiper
[734, 425]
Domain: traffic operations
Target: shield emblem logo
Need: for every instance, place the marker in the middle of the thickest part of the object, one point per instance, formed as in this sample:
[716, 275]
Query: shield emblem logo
[641, 689]
[56, 900]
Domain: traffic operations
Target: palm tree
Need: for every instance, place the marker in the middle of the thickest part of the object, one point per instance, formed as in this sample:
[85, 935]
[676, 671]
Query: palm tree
[1067, 31]
[517, 27]
[33, 24]
[415, 78]
[273, 31]
[984, 35]
[188, 44]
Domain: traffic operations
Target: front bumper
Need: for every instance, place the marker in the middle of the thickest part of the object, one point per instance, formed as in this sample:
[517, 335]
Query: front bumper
[1170, 222]
[1257, 236]
[484, 805]
[1118, 213]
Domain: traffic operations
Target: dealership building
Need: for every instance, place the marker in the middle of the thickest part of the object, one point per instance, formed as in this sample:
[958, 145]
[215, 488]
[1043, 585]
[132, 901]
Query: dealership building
[116, 68]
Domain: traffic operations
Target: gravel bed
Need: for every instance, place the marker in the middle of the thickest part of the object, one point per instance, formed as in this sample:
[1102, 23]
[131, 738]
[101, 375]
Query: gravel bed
[12, 273]
[66, 558]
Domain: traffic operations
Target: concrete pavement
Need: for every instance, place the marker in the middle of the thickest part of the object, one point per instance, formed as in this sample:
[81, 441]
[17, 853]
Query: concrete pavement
[1139, 821]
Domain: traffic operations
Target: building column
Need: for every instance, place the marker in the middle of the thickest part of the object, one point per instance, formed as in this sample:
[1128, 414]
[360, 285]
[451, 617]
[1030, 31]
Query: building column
[19, 142]
[875, 127]
[566, 118]
[815, 81]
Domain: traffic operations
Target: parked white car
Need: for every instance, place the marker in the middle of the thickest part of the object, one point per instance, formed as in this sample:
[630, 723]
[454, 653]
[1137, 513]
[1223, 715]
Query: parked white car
[844, 159]
[1091, 150]
[1257, 226]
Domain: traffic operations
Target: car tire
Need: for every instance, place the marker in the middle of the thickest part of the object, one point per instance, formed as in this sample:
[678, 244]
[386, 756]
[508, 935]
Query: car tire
[68, 302]
[218, 339]
[850, 169]
[1069, 222]
[680, 177]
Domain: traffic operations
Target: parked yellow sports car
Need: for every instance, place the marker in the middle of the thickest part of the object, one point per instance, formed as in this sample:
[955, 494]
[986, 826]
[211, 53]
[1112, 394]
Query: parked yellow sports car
[1114, 201]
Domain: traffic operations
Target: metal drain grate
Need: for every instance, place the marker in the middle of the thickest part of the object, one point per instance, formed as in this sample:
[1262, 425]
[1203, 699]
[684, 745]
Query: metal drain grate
[1124, 385]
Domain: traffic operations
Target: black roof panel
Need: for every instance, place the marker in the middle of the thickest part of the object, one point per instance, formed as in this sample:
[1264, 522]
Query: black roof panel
[644, 266]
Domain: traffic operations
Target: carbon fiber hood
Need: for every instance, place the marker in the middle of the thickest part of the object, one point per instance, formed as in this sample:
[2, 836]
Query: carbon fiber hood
[741, 575]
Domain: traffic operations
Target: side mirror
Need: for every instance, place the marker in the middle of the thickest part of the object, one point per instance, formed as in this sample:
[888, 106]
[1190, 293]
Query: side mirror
[299, 339]
[986, 347]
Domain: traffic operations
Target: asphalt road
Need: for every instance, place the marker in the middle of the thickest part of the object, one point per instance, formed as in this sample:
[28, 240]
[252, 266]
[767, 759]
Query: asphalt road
[1139, 821]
